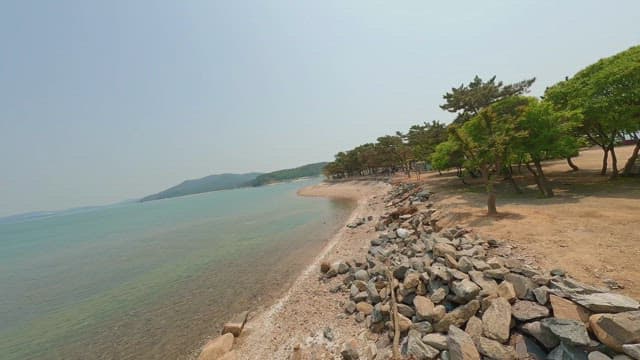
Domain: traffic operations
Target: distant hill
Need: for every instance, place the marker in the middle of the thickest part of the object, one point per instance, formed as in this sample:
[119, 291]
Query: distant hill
[205, 184]
[289, 174]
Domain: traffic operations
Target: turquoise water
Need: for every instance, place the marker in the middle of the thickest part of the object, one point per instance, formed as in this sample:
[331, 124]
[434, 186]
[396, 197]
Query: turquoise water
[152, 280]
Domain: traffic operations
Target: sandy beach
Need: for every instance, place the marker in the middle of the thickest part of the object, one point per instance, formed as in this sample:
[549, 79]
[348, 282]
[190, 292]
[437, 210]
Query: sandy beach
[309, 307]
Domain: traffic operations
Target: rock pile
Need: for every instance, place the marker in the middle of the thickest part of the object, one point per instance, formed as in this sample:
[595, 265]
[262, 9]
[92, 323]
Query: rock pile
[458, 296]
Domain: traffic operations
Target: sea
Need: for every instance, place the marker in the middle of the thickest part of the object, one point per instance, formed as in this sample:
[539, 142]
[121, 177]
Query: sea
[153, 280]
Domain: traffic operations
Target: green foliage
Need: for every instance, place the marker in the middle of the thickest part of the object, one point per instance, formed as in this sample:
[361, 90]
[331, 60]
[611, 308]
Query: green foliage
[446, 155]
[423, 139]
[289, 174]
[468, 100]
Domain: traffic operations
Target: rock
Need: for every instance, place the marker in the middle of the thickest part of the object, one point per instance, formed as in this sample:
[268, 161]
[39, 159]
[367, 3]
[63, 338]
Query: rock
[546, 338]
[522, 285]
[339, 267]
[479, 264]
[436, 340]
[415, 348]
[541, 294]
[438, 295]
[632, 350]
[526, 348]
[424, 307]
[236, 324]
[460, 345]
[372, 293]
[464, 264]
[567, 309]
[216, 348]
[423, 327]
[400, 271]
[528, 310]
[404, 323]
[615, 330]
[566, 352]
[465, 289]
[487, 284]
[364, 308]
[442, 249]
[403, 233]
[474, 327]
[361, 296]
[324, 267]
[494, 350]
[496, 320]
[597, 355]
[411, 280]
[362, 275]
[350, 350]
[370, 351]
[506, 291]
[406, 310]
[572, 332]
[360, 317]
[557, 272]
[621, 357]
[496, 273]
[350, 308]
[606, 302]
[458, 316]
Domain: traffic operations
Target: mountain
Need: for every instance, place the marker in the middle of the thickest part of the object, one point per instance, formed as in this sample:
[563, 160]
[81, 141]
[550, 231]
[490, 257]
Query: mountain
[289, 174]
[205, 184]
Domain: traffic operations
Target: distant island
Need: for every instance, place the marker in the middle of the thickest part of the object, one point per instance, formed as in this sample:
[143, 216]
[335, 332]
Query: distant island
[234, 181]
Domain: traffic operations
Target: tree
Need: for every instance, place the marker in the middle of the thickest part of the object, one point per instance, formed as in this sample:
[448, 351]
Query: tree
[467, 100]
[487, 141]
[548, 135]
[607, 93]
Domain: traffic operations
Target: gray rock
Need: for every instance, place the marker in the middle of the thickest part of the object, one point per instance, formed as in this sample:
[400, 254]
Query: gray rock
[328, 334]
[606, 302]
[479, 264]
[528, 310]
[566, 352]
[442, 249]
[423, 327]
[494, 350]
[488, 285]
[362, 275]
[403, 233]
[464, 264]
[597, 355]
[436, 340]
[465, 289]
[526, 348]
[498, 273]
[522, 284]
[458, 316]
[350, 308]
[350, 350]
[406, 310]
[461, 346]
[615, 330]
[417, 349]
[546, 338]
[571, 332]
[496, 320]
[632, 350]
[541, 294]
[439, 295]
[372, 293]
[340, 267]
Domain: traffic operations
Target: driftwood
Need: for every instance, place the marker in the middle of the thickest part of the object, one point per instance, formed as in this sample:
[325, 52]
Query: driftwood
[394, 317]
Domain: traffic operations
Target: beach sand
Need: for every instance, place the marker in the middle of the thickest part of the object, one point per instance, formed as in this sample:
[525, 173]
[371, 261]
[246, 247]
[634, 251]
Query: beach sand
[309, 307]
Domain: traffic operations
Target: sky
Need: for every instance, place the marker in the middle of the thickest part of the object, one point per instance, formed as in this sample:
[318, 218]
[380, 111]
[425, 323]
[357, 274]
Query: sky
[102, 101]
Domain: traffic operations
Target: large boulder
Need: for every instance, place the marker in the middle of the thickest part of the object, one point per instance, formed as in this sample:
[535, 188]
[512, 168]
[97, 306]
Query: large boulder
[465, 290]
[461, 346]
[216, 348]
[567, 309]
[544, 337]
[496, 320]
[615, 330]
[567, 352]
[572, 332]
[424, 307]
[436, 340]
[522, 285]
[236, 324]
[632, 350]
[442, 249]
[606, 302]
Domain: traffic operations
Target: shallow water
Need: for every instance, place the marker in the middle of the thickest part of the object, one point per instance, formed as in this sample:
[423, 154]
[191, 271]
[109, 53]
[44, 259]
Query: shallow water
[153, 280]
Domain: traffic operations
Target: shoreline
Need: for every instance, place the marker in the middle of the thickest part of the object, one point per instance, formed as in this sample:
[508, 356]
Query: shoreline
[295, 318]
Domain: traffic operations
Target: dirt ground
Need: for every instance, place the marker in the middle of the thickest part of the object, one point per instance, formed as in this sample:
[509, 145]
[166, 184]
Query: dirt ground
[591, 228]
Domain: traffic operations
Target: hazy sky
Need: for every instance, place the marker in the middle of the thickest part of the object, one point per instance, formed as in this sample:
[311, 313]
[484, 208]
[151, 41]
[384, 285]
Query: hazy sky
[102, 101]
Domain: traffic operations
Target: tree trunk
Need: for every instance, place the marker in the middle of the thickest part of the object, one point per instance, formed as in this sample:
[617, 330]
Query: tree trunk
[614, 162]
[512, 181]
[573, 166]
[632, 159]
[605, 161]
[536, 178]
[491, 193]
[543, 180]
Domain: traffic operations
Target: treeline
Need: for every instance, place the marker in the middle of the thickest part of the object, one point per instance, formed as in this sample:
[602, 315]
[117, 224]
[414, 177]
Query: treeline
[497, 128]
[308, 170]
